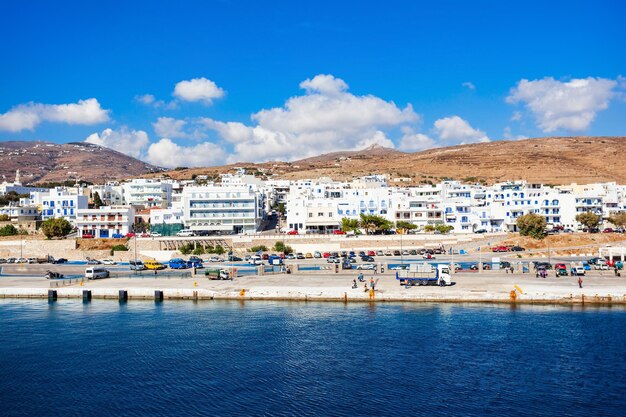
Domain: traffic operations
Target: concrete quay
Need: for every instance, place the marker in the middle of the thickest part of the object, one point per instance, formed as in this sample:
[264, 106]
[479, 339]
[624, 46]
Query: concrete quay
[495, 287]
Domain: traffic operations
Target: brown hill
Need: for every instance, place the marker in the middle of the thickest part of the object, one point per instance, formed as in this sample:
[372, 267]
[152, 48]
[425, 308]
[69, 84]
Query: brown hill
[46, 162]
[553, 160]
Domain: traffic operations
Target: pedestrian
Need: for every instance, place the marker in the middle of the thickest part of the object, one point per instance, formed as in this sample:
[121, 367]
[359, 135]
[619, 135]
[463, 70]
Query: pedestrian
[511, 269]
[372, 282]
[155, 272]
[354, 283]
[580, 282]
[616, 273]
[376, 269]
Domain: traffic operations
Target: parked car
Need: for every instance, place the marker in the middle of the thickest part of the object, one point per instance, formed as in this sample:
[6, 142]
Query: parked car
[396, 253]
[367, 259]
[388, 253]
[53, 275]
[87, 236]
[178, 263]
[117, 236]
[380, 253]
[560, 272]
[542, 265]
[154, 265]
[370, 267]
[185, 233]
[413, 252]
[3, 261]
[517, 249]
[93, 262]
[255, 260]
[500, 249]
[58, 261]
[136, 265]
[339, 232]
[399, 267]
[109, 262]
[577, 271]
[317, 254]
[481, 231]
[333, 260]
[308, 255]
[13, 260]
[130, 235]
[326, 255]
[290, 256]
[96, 273]
[371, 253]
[155, 234]
[346, 265]
[560, 266]
[292, 232]
[233, 258]
[299, 255]
[608, 230]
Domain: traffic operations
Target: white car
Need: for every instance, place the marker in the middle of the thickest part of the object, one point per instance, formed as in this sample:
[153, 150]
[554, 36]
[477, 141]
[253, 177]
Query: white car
[108, 262]
[155, 235]
[399, 267]
[333, 260]
[215, 259]
[185, 233]
[371, 267]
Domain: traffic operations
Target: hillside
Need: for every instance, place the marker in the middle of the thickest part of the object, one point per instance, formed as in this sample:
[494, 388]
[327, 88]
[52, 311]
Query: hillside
[553, 160]
[45, 162]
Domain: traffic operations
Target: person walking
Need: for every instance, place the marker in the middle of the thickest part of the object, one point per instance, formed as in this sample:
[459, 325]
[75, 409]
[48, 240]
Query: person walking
[371, 282]
[580, 282]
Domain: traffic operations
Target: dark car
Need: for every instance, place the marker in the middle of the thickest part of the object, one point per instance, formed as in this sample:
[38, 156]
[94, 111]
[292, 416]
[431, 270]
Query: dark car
[517, 249]
[396, 253]
[543, 265]
[233, 258]
[60, 261]
[367, 259]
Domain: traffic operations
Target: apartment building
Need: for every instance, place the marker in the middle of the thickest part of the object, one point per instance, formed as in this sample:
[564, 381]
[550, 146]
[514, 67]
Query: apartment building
[147, 193]
[106, 221]
[222, 209]
[58, 202]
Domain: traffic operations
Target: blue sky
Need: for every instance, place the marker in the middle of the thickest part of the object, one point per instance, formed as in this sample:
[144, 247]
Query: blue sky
[408, 74]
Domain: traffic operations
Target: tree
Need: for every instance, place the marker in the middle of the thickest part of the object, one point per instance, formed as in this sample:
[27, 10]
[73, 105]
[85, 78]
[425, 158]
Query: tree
[97, 201]
[374, 224]
[531, 225]
[198, 251]
[618, 219]
[279, 246]
[444, 228]
[589, 220]
[186, 249]
[350, 225]
[56, 228]
[4, 218]
[8, 230]
[405, 226]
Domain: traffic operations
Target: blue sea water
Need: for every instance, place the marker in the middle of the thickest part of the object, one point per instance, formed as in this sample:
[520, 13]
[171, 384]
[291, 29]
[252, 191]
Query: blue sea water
[270, 358]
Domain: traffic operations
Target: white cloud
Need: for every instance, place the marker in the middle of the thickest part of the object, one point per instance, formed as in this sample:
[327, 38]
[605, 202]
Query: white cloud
[571, 105]
[517, 116]
[414, 142]
[324, 84]
[124, 140]
[510, 136]
[456, 131]
[168, 154]
[147, 99]
[29, 116]
[469, 85]
[169, 127]
[326, 118]
[198, 89]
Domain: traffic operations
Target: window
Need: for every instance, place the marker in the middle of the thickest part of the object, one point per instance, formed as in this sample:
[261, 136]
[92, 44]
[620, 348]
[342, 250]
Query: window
[330, 214]
[310, 215]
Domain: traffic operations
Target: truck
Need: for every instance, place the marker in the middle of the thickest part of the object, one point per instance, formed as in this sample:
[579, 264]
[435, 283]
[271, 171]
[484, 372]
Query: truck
[424, 274]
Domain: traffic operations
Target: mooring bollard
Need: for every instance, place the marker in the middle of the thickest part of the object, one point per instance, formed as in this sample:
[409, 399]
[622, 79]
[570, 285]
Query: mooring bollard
[123, 295]
[52, 295]
[158, 295]
[86, 295]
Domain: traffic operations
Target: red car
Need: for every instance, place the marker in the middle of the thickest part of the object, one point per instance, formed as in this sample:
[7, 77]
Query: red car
[560, 266]
[265, 256]
[500, 249]
[292, 232]
[326, 255]
[339, 232]
[371, 253]
[607, 230]
[129, 235]
[87, 236]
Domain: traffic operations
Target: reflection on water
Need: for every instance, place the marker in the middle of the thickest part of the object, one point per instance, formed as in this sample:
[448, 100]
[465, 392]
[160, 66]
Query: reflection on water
[143, 358]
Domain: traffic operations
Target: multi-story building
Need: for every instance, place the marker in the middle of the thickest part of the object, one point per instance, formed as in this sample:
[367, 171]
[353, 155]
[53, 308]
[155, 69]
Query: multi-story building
[106, 221]
[17, 187]
[58, 202]
[222, 209]
[147, 192]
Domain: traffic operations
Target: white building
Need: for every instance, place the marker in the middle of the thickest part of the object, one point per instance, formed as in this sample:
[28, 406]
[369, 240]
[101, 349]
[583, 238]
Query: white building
[106, 221]
[222, 209]
[17, 187]
[58, 202]
[147, 192]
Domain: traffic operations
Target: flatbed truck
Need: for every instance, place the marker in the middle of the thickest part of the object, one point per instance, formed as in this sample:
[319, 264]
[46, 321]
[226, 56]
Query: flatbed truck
[424, 274]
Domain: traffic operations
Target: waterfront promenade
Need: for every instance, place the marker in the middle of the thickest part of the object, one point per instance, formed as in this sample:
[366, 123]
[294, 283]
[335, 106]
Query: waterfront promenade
[598, 288]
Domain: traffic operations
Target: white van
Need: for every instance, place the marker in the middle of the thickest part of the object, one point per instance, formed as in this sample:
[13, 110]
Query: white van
[96, 273]
[255, 260]
[185, 233]
[136, 265]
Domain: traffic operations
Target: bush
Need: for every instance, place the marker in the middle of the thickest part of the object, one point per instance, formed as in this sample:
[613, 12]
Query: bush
[186, 249]
[8, 230]
[4, 218]
[589, 220]
[198, 251]
[118, 248]
[261, 248]
[279, 246]
[218, 250]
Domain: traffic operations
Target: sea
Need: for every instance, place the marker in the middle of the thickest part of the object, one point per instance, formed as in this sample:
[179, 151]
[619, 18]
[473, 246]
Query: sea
[244, 358]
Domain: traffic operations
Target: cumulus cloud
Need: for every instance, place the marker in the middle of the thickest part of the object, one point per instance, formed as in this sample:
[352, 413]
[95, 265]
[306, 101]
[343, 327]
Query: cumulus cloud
[517, 116]
[325, 118]
[124, 140]
[414, 142]
[29, 116]
[508, 135]
[168, 154]
[456, 131]
[169, 127]
[570, 105]
[198, 89]
[469, 85]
